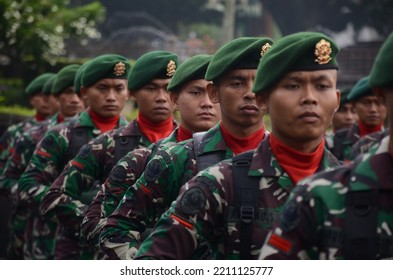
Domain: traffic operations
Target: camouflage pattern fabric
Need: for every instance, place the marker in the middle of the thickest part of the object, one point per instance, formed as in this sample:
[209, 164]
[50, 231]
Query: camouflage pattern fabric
[343, 141]
[203, 211]
[16, 165]
[123, 175]
[47, 161]
[364, 144]
[71, 193]
[152, 194]
[314, 221]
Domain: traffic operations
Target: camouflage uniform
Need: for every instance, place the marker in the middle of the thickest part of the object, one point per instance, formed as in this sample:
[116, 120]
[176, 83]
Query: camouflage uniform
[343, 141]
[123, 175]
[69, 196]
[48, 160]
[318, 220]
[205, 210]
[16, 165]
[159, 185]
[364, 144]
[7, 140]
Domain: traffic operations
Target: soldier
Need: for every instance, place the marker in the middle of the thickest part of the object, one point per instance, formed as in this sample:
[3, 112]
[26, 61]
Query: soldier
[345, 213]
[69, 104]
[197, 113]
[371, 113]
[232, 71]
[231, 205]
[104, 85]
[67, 199]
[39, 101]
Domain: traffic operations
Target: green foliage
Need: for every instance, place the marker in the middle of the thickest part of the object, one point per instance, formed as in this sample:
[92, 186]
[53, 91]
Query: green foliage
[43, 26]
[11, 92]
[17, 110]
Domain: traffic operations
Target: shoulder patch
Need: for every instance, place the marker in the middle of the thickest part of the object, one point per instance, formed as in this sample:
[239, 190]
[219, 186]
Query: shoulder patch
[118, 174]
[153, 170]
[290, 216]
[193, 201]
[85, 151]
[48, 143]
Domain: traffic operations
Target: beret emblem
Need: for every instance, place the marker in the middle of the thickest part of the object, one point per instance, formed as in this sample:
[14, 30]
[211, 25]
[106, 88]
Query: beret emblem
[119, 69]
[171, 68]
[265, 48]
[322, 52]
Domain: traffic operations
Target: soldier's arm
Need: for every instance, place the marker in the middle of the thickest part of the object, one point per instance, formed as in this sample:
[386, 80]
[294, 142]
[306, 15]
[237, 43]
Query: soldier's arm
[70, 194]
[143, 203]
[44, 166]
[195, 217]
[122, 176]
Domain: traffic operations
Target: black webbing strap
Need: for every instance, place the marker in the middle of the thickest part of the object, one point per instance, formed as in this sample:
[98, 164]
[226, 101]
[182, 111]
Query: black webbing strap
[79, 137]
[246, 191]
[123, 145]
[204, 160]
[360, 234]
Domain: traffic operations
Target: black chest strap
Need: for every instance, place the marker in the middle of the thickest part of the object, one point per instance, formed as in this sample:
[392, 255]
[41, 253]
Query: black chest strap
[204, 160]
[123, 145]
[79, 136]
[246, 190]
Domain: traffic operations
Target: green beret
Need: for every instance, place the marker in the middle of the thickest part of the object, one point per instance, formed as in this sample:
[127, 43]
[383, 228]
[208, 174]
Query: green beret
[192, 69]
[65, 78]
[360, 89]
[47, 88]
[344, 96]
[241, 53]
[38, 83]
[303, 51]
[150, 66]
[381, 73]
[107, 66]
[78, 77]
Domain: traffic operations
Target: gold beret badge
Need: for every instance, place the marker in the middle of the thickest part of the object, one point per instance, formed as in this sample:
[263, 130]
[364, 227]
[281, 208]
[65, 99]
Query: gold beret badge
[323, 51]
[265, 48]
[119, 69]
[171, 68]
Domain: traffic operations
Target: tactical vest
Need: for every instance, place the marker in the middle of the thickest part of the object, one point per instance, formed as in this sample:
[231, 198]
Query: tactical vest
[204, 160]
[79, 136]
[124, 144]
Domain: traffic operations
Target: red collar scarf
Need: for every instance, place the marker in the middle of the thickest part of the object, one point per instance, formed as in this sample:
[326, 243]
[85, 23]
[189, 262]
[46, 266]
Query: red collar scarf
[104, 124]
[365, 130]
[154, 131]
[298, 165]
[60, 118]
[39, 118]
[183, 134]
[238, 145]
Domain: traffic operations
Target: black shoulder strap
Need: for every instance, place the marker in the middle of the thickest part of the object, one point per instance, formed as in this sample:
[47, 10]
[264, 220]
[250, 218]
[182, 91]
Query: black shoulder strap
[123, 145]
[338, 144]
[79, 137]
[204, 160]
[246, 199]
[360, 231]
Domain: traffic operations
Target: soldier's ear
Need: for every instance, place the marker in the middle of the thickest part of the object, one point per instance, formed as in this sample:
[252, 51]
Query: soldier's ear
[174, 98]
[212, 91]
[132, 95]
[83, 93]
[338, 93]
[263, 101]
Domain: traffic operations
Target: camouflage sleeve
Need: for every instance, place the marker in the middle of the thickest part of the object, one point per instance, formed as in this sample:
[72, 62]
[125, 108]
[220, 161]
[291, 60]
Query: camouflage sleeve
[123, 175]
[44, 166]
[195, 217]
[68, 197]
[144, 202]
[294, 234]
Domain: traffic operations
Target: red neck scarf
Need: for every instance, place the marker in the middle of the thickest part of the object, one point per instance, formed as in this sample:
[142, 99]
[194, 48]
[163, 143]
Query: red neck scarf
[365, 130]
[39, 118]
[298, 165]
[60, 118]
[238, 145]
[104, 124]
[154, 131]
[183, 134]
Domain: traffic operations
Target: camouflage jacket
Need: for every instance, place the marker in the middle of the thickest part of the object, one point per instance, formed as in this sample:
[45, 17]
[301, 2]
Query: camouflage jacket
[23, 149]
[328, 215]
[8, 138]
[72, 192]
[366, 143]
[50, 157]
[145, 201]
[205, 210]
[343, 141]
[122, 176]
